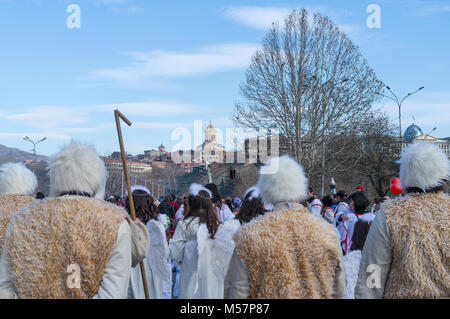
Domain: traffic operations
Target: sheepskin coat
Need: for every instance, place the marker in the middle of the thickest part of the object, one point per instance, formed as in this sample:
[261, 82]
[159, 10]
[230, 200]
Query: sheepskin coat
[288, 253]
[9, 204]
[419, 226]
[69, 230]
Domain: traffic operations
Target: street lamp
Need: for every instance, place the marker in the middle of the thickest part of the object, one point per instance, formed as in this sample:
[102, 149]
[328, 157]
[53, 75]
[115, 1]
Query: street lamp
[399, 104]
[26, 138]
[332, 186]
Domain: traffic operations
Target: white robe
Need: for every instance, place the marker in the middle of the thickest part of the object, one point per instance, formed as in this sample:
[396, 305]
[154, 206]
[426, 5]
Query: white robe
[315, 207]
[351, 265]
[203, 263]
[157, 266]
[225, 213]
[180, 213]
[214, 259]
[183, 251]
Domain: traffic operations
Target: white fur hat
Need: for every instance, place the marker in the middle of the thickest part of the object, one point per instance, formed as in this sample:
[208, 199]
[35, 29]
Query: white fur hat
[423, 165]
[195, 188]
[138, 187]
[255, 192]
[282, 179]
[15, 178]
[77, 168]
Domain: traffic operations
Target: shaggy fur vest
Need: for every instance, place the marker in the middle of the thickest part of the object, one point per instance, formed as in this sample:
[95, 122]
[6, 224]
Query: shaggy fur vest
[419, 228]
[289, 254]
[9, 204]
[47, 240]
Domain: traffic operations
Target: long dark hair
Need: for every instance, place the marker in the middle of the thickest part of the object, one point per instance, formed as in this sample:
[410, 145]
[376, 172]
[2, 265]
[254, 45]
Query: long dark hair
[360, 234]
[216, 198]
[250, 209]
[144, 205]
[360, 202]
[201, 206]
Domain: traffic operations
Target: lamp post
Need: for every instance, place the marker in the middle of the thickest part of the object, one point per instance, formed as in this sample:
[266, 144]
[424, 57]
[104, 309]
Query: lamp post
[399, 104]
[332, 186]
[26, 138]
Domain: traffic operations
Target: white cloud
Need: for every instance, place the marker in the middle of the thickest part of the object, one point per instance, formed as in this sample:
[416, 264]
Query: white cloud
[14, 136]
[48, 117]
[256, 17]
[152, 108]
[261, 18]
[158, 63]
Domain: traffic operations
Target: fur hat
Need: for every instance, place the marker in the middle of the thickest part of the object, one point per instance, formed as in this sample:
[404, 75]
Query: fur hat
[282, 179]
[195, 188]
[15, 178]
[423, 165]
[255, 192]
[77, 168]
[138, 187]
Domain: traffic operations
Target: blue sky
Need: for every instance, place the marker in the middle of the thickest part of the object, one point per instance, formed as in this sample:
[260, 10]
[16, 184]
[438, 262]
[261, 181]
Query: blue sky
[167, 63]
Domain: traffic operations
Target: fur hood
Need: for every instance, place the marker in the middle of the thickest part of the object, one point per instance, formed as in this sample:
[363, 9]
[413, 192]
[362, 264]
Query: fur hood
[15, 178]
[77, 167]
[423, 165]
[282, 179]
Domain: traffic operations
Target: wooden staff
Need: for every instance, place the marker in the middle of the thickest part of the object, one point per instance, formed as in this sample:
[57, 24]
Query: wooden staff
[119, 116]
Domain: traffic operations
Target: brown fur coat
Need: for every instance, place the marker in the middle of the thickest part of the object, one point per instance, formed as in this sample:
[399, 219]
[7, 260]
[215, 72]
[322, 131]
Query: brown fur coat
[9, 204]
[46, 237]
[419, 226]
[289, 254]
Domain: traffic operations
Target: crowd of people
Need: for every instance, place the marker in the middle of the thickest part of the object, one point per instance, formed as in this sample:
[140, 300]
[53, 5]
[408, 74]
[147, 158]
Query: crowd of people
[277, 241]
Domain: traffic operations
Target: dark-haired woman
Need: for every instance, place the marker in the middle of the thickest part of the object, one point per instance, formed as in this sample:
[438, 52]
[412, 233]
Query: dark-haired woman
[223, 211]
[157, 264]
[352, 260]
[327, 212]
[252, 206]
[359, 205]
[202, 246]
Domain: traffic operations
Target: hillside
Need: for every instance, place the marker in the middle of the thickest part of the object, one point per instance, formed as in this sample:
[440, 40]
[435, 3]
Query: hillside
[16, 155]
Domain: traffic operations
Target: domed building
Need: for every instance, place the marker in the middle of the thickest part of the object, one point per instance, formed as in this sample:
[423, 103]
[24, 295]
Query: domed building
[415, 133]
[210, 150]
[412, 132]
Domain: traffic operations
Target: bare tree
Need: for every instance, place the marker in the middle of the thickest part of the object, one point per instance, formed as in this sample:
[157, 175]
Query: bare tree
[365, 154]
[310, 81]
[246, 177]
[380, 149]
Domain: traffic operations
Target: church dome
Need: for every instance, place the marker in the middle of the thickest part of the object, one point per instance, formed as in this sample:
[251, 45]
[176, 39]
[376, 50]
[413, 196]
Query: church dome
[210, 128]
[412, 132]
